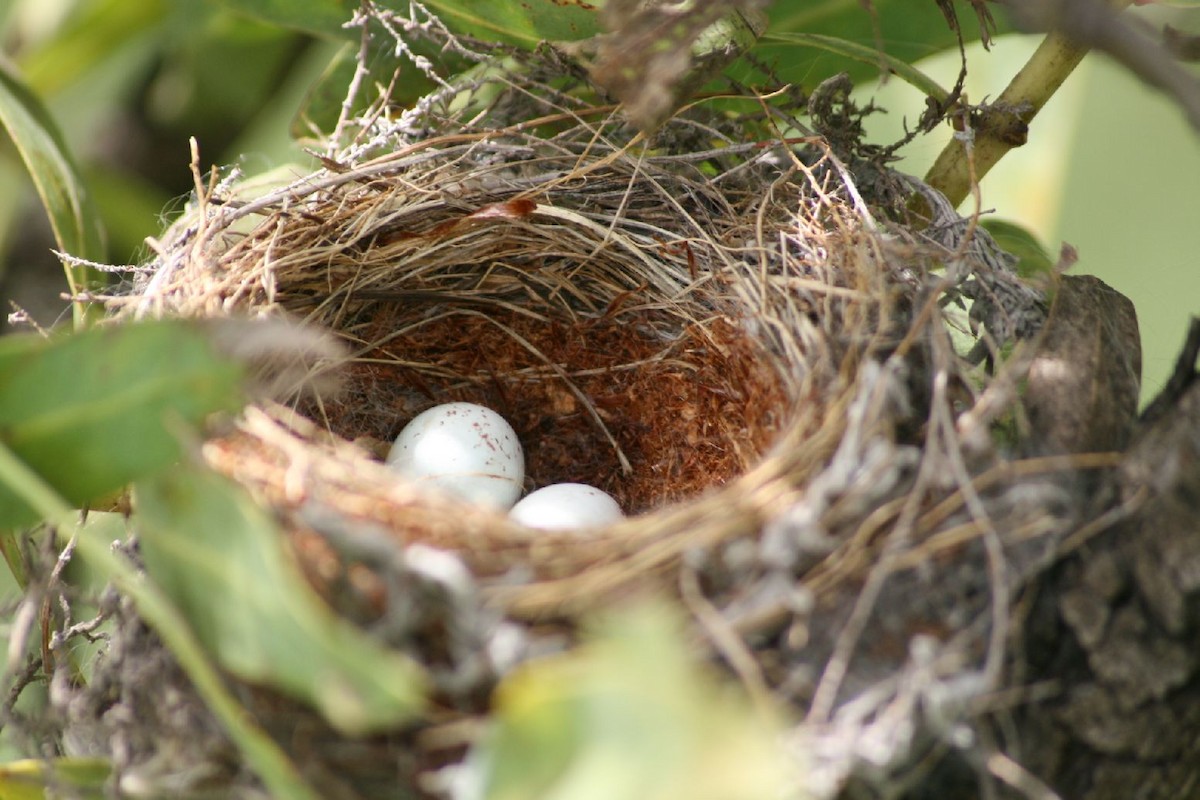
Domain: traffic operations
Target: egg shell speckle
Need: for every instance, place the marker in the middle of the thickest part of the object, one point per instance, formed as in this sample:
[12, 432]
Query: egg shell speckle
[463, 449]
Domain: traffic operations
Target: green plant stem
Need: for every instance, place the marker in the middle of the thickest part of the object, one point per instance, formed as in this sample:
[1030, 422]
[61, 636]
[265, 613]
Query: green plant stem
[265, 757]
[964, 162]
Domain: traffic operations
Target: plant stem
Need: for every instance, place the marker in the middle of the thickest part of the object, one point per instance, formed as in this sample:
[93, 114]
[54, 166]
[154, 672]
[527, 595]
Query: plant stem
[963, 163]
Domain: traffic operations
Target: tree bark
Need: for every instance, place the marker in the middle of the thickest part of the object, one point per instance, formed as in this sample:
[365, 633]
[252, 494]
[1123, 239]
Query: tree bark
[1114, 631]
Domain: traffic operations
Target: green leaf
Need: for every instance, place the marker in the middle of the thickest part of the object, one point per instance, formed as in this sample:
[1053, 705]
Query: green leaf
[262, 755]
[93, 33]
[657, 56]
[321, 17]
[323, 103]
[865, 55]
[1033, 260]
[74, 221]
[628, 714]
[90, 412]
[523, 23]
[222, 560]
[31, 779]
[905, 30]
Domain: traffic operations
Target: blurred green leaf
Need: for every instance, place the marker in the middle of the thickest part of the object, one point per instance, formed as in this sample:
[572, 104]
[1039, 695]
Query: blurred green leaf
[131, 207]
[628, 715]
[95, 32]
[865, 55]
[323, 103]
[89, 412]
[904, 30]
[63, 194]
[1032, 258]
[656, 56]
[31, 779]
[320, 17]
[279, 775]
[222, 560]
[523, 23]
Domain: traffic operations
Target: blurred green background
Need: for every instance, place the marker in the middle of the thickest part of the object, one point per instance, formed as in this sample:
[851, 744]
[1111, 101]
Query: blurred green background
[128, 82]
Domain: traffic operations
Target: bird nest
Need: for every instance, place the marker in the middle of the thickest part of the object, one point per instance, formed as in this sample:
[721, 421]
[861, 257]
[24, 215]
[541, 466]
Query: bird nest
[729, 327]
[654, 324]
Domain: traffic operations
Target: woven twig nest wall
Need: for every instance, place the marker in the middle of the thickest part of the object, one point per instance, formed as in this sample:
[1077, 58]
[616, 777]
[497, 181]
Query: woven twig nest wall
[712, 325]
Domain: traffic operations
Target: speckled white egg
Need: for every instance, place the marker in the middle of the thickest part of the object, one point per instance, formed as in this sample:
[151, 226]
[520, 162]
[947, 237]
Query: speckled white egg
[464, 449]
[567, 506]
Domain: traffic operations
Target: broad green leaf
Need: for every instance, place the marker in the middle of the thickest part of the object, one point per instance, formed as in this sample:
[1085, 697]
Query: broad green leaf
[323, 103]
[262, 755]
[865, 55]
[32, 779]
[222, 560]
[905, 30]
[130, 206]
[524, 23]
[628, 715]
[1032, 258]
[92, 411]
[95, 32]
[321, 17]
[74, 221]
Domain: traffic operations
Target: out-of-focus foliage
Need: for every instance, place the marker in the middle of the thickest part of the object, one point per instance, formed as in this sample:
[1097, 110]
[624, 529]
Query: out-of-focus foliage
[223, 562]
[628, 714]
[1032, 258]
[28, 779]
[91, 411]
[68, 205]
[128, 81]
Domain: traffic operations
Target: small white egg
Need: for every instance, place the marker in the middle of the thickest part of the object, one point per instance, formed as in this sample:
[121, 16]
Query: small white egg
[464, 449]
[566, 506]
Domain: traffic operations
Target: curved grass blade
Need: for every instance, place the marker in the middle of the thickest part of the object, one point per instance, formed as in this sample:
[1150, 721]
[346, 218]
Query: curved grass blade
[74, 222]
[320, 17]
[864, 55]
[903, 30]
